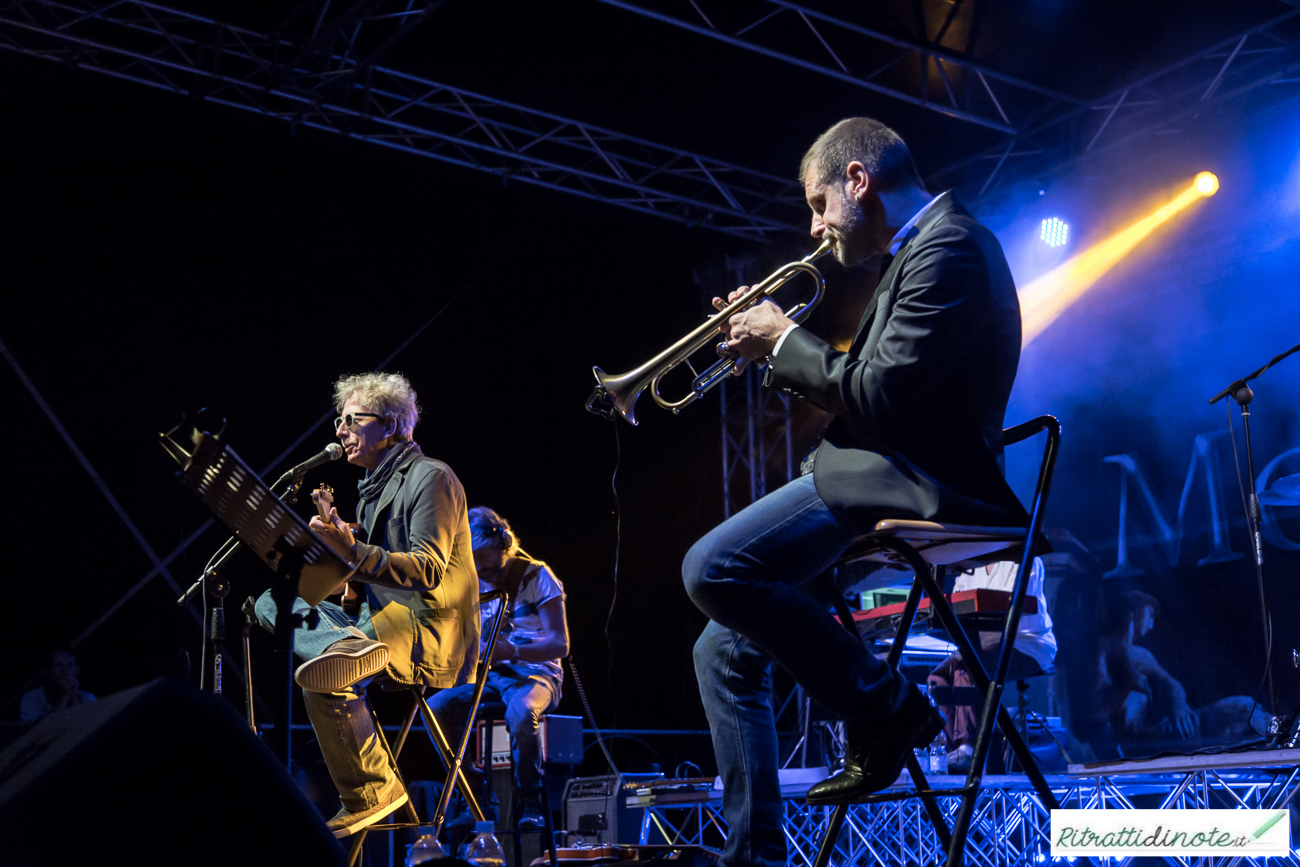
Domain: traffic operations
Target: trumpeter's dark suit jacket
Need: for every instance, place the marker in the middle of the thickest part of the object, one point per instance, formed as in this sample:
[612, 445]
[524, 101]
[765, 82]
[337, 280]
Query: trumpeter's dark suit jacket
[919, 398]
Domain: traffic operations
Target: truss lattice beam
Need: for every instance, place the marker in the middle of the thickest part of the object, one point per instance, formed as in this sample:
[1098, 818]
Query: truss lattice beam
[1011, 827]
[355, 37]
[203, 58]
[916, 71]
[1265, 55]
[1049, 131]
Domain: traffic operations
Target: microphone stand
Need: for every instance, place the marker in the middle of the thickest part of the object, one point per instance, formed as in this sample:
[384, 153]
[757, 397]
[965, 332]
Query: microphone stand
[216, 588]
[1242, 394]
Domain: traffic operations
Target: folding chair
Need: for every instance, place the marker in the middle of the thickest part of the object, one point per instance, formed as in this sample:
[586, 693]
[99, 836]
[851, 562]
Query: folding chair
[451, 759]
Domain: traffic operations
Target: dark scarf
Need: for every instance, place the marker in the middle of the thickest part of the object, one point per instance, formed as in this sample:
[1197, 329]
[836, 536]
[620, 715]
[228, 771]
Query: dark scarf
[373, 484]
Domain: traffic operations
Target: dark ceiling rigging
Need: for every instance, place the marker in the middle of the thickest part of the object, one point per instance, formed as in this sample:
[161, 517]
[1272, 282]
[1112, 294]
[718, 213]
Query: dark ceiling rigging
[320, 66]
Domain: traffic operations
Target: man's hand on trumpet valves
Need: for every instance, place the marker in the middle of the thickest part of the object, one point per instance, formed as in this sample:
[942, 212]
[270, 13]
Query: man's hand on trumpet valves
[752, 333]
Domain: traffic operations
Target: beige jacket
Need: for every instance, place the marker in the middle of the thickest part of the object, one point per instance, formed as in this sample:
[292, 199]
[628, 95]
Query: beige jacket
[418, 564]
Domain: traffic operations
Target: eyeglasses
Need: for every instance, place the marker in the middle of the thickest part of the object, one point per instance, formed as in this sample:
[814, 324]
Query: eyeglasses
[351, 418]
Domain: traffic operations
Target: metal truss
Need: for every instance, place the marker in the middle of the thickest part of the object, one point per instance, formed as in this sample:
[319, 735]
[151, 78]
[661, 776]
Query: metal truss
[314, 82]
[699, 824]
[1010, 828]
[921, 72]
[757, 453]
[343, 42]
[1237, 67]
[1049, 131]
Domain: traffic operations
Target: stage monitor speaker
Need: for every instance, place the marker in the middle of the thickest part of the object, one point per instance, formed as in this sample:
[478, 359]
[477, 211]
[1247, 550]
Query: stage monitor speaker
[596, 810]
[159, 774]
[560, 739]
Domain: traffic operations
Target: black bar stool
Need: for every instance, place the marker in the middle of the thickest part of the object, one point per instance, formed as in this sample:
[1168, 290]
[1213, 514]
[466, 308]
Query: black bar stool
[923, 546]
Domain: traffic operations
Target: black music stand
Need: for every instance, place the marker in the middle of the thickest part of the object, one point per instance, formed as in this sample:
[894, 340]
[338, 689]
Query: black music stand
[304, 565]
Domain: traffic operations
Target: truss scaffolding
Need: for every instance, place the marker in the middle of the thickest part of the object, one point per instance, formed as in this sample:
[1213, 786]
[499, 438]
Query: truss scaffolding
[1048, 131]
[919, 72]
[1011, 828]
[319, 82]
[1261, 63]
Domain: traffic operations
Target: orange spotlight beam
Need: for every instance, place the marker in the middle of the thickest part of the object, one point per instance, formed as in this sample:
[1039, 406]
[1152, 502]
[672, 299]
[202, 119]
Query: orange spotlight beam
[1044, 299]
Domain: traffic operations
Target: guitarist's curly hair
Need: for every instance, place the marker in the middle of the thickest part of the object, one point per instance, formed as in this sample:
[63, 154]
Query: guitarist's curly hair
[388, 394]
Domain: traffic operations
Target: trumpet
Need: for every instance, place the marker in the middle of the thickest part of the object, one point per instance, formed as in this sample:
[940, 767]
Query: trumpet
[620, 393]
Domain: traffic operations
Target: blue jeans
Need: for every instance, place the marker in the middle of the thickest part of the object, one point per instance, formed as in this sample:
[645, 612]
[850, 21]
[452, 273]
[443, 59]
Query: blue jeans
[527, 698]
[754, 576]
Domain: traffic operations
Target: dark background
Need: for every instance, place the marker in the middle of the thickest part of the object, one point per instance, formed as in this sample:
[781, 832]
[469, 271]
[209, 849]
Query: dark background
[163, 254]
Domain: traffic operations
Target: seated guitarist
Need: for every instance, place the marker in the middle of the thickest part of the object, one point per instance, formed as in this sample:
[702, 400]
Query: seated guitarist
[418, 618]
[526, 673]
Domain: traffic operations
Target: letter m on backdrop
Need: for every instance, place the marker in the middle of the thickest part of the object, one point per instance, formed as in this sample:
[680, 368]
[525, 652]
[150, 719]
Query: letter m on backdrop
[1170, 539]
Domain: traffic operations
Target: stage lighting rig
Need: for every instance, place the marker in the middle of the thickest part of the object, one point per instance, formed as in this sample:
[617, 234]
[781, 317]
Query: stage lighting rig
[1054, 232]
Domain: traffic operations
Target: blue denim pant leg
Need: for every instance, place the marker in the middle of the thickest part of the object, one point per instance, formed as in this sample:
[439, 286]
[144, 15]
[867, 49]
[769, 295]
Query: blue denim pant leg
[527, 700]
[737, 693]
[450, 707]
[751, 575]
[332, 625]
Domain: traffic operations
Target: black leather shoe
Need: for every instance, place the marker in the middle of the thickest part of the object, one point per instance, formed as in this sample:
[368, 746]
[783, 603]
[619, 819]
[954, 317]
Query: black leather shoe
[878, 750]
[530, 814]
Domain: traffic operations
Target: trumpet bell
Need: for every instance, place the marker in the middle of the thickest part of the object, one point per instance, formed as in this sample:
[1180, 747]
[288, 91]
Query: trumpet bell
[619, 393]
[616, 394]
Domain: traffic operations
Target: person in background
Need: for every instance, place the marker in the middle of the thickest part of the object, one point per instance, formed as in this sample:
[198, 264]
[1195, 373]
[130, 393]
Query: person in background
[526, 674]
[1141, 707]
[1034, 651]
[61, 689]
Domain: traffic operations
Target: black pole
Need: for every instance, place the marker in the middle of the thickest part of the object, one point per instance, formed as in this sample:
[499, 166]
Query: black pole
[1243, 396]
[1241, 393]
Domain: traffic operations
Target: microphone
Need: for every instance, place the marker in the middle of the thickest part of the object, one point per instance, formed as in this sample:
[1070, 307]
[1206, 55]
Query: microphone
[331, 452]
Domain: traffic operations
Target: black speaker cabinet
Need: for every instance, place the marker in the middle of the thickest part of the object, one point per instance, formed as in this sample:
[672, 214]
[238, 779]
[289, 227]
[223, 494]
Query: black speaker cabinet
[596, 810]
[159, 774]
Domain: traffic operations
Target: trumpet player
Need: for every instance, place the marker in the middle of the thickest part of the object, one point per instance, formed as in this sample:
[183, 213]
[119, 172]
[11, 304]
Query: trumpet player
[918, 403]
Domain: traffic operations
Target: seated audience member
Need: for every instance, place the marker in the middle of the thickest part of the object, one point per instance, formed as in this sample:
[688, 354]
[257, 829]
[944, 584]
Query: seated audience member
[61, 689]
[1140, 707]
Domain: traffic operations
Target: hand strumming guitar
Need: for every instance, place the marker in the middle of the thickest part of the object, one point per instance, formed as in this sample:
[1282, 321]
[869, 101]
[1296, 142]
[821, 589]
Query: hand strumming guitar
[338, 534]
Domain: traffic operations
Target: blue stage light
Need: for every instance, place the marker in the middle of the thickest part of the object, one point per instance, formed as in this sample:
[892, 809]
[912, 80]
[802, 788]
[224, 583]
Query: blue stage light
[1054, 232]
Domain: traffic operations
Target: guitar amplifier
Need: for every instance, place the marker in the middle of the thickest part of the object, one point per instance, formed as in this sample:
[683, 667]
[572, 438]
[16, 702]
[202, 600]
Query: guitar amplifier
[596, 810]
[560, 736]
